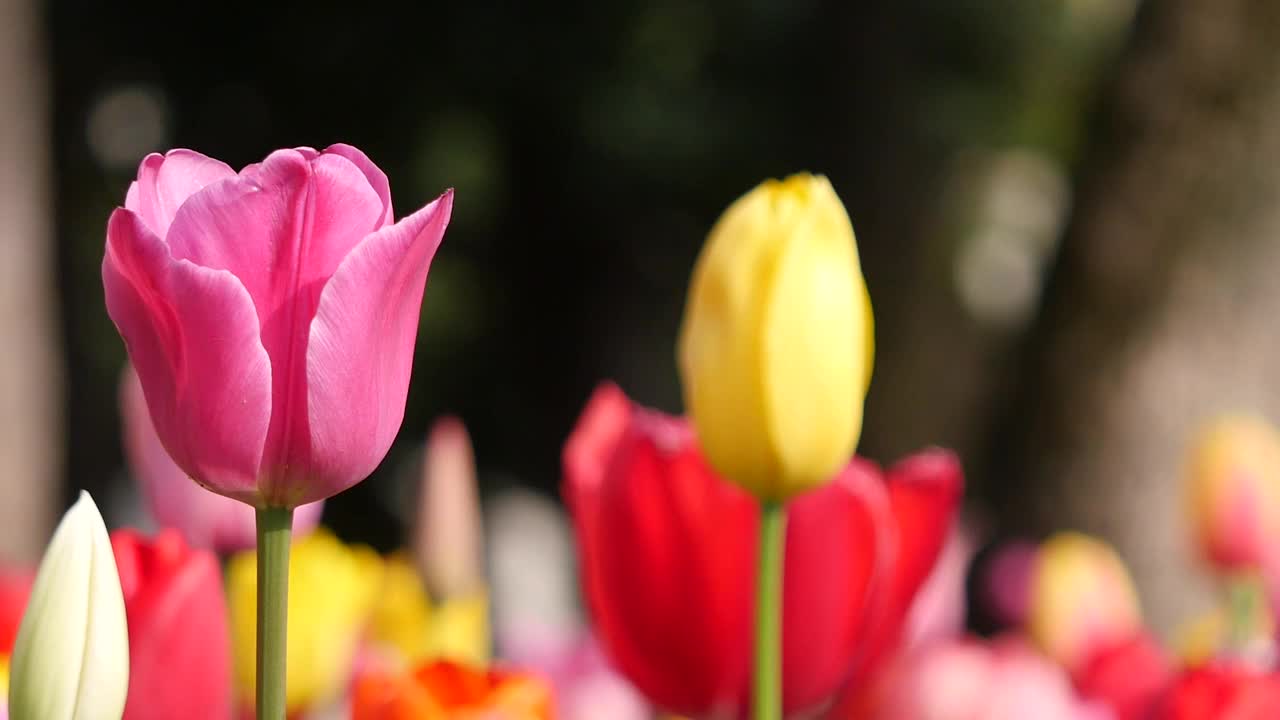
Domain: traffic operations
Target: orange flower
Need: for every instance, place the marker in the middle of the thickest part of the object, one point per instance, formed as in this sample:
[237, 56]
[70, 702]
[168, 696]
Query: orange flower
[443, 690]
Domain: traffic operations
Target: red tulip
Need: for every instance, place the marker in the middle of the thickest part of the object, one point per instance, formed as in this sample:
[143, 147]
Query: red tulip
[179, 641]
[15, 588]
[667, 551]
[1126, 677]
[1222, 692]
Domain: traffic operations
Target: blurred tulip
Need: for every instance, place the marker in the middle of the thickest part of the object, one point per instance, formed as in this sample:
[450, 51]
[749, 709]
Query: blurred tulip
[349, 606]
[445, 691]
[405, 624]
[970, 680]
[537, 623]
[1233, 492]
[71, 657]
[586, 687]
[271, 315]
[1082, 600]
[667, 548]
[15, 588]
[332, 591]
[776, 345]
[1006, 583]
[1221, 692]
[205, 519]
[448, 542]
[179, 642]
[1126, 677]
[536, 606]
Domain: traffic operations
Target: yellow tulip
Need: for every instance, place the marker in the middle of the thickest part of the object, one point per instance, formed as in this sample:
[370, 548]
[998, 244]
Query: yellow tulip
[1082, 599]
[332, 589]
[341, 596]
[777, 341]
[406, 623]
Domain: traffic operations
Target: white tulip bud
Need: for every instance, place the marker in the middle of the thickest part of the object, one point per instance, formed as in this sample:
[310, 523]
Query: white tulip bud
[71, 657]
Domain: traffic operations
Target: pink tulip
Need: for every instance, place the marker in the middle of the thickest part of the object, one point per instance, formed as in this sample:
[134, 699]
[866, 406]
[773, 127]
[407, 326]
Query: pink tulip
[972, 680]
[206, 520]
[271, 315]
[586, 686]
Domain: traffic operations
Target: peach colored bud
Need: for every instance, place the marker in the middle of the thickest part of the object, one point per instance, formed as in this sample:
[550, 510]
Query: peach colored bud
[1081, 599]
[1233, 491]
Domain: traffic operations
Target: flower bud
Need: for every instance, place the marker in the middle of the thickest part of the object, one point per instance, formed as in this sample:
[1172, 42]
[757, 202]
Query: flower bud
[1233, 491]
[776, 345]
[448, 539]
[1081, 599]
[71, 657]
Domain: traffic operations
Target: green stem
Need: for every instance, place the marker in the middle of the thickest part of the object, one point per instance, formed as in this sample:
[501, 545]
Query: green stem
[1245, 596]
[767, 703]
[275, 527]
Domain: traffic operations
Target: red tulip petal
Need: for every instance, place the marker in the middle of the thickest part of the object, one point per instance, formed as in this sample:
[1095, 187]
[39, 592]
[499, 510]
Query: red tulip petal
[594, 439]
[666, 550]
[15, 588]
[839, 543]
[193, 336]
[179, 640]
[924, 492]
[1127, 677]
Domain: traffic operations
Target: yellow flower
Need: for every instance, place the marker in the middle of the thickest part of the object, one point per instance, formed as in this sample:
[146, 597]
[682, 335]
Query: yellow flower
[341, 596]
[1081, 599]
[332, 588]
[1233, 491]
[406, 623]
[776, 346]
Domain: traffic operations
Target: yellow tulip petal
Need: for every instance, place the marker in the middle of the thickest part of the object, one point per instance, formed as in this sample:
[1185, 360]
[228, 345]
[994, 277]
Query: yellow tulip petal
[776, 345]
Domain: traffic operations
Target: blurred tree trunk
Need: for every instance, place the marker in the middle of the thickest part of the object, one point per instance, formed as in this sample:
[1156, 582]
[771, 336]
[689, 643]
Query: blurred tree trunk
[1164, 307]
[30, 378]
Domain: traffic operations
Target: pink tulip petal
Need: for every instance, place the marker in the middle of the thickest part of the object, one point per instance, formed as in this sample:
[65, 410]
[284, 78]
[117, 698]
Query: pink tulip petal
[193, 336]
[205, 519]
[377, 178]
[361, 348]
[282, 226]
[166, 181]
[282, 229]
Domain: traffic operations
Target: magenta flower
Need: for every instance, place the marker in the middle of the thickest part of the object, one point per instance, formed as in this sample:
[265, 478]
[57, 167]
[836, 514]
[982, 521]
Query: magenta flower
[206, 520]
[271, 315]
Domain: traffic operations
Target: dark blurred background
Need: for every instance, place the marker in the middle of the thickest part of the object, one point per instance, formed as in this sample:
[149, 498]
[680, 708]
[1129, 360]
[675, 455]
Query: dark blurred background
[1064, 210]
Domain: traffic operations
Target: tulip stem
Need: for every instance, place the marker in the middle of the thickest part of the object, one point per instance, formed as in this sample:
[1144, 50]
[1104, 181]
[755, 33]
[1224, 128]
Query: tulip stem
[767, 704]
[275, 526]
